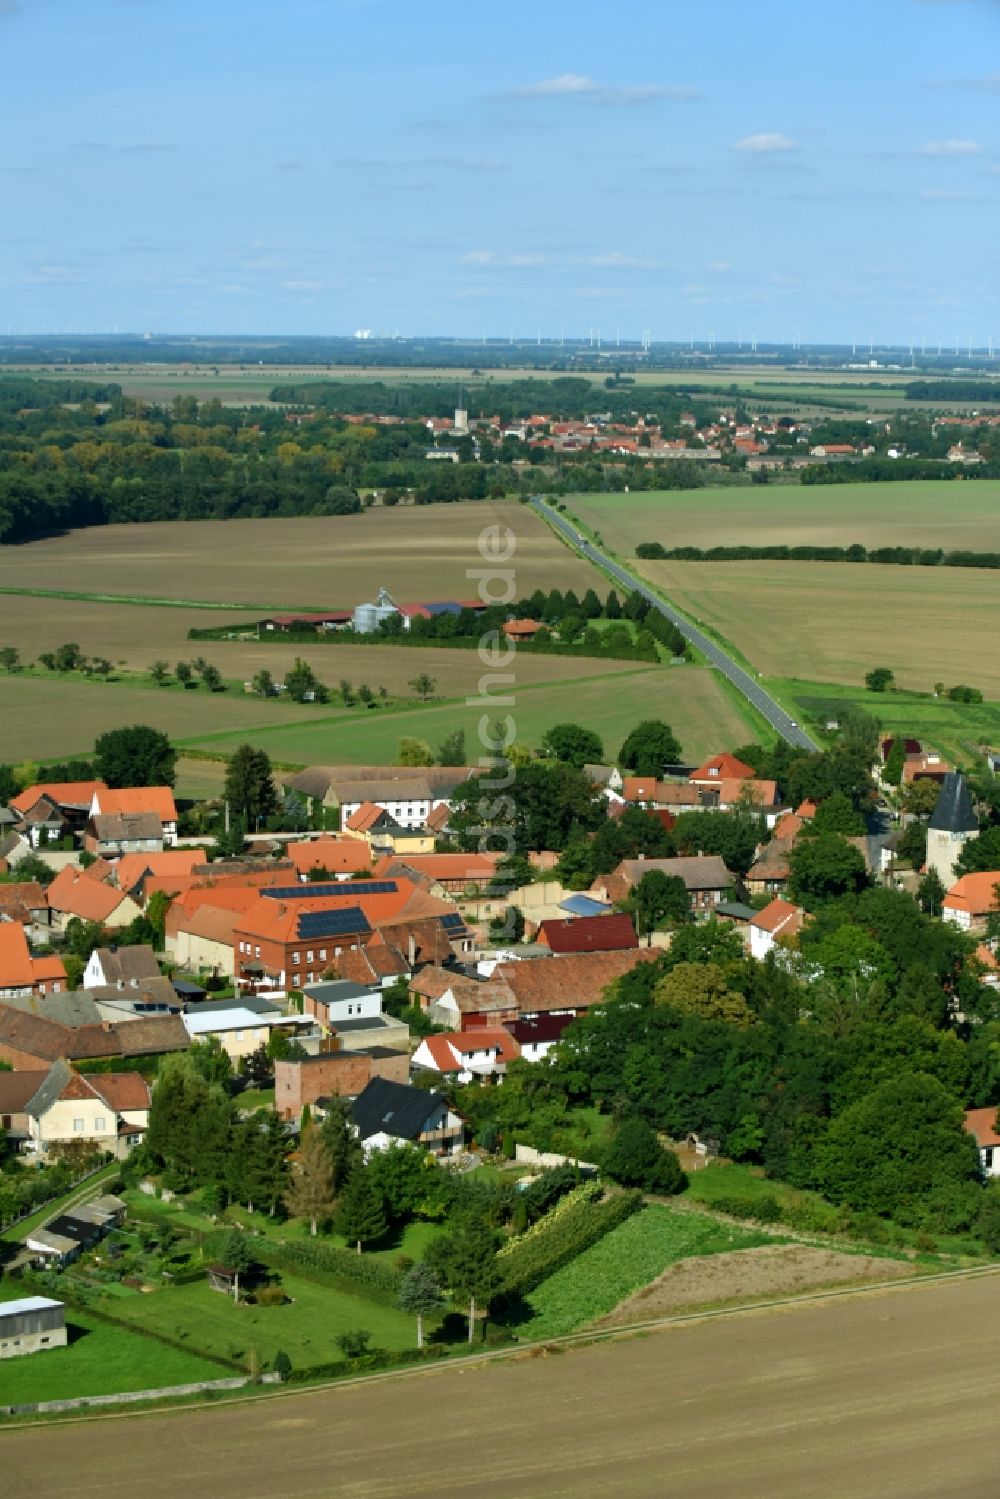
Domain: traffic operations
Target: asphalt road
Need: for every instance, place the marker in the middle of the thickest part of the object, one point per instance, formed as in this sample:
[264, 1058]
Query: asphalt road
[741, 680]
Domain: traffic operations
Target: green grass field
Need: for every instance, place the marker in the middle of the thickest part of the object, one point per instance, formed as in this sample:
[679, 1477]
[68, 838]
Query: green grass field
[306, 1329]
[100, 1359]
[50, 718]
[611, 703]
[630, 1256]
[956, 729]
[934, 513]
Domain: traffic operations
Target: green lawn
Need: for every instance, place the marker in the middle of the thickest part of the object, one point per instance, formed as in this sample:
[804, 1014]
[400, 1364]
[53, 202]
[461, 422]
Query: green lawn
[954, 728]
[629, 1257]
[611, 704]
[100, 1360]
[307, 1328]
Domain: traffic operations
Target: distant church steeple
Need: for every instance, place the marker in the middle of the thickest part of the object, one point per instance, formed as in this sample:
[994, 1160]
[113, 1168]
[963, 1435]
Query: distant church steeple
[953, 822]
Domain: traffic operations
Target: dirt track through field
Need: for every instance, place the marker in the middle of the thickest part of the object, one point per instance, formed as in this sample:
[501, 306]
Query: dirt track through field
[877, 1396]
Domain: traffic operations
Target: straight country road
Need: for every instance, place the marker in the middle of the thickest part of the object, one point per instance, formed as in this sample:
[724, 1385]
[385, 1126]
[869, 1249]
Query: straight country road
[744, 683]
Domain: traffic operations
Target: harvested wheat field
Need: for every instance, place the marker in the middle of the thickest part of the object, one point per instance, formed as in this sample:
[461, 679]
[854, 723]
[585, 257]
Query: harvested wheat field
[303, 562]
[953, 514]
[749, 1275]
[832, 622]
[885, 1395]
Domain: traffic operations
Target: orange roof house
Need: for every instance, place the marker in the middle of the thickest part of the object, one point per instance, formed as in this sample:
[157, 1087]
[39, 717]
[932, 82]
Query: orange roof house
[77, 795]
[724, 767]
[20, 973]
[522, 629]
[336, 855]
[972, 899]
[71, 894]
[131, 799]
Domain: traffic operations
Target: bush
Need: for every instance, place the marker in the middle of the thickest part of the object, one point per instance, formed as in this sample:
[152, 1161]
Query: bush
[354, 1343]
[572, 1226]
[282, 1364]
[764, 1209]
[317, 1255]
[270, 1296]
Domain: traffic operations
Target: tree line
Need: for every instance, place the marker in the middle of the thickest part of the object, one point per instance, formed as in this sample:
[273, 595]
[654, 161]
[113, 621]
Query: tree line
[894, 556]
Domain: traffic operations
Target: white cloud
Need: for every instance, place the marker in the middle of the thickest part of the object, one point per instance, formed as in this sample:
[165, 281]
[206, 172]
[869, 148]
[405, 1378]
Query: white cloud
[579, 87]
[494, 257]
[768, 140]
[615, 260]
[719, 267]
[951, 148]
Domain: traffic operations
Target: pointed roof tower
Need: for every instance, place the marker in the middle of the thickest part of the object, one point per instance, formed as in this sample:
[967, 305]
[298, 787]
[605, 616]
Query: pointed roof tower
[953, 812]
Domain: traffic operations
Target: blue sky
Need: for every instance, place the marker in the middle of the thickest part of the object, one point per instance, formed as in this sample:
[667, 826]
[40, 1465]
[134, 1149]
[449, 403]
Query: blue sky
[316, 166]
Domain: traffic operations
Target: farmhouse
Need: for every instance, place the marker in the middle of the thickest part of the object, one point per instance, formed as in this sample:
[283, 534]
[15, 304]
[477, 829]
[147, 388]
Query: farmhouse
[464, 1055]
[138, 801]
[705, 877]
[981, 1124]
[779, 919]
[108, 1111]
[76, 892]
[30, 1039]
[972, 899]
[22, 974]
[120, 966]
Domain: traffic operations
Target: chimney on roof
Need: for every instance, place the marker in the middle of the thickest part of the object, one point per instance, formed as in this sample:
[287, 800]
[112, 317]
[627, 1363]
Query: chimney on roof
[411, 950]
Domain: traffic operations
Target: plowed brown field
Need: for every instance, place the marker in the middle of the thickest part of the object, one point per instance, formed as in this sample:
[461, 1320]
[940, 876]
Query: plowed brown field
[871, 1396]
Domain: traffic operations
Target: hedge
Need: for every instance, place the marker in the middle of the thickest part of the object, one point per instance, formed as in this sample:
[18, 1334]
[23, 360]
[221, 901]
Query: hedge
[897, 556]
[314, 1254]
[576, 1223]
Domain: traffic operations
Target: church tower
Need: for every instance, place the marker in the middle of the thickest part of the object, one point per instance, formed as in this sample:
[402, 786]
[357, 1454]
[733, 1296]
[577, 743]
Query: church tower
[952, 824]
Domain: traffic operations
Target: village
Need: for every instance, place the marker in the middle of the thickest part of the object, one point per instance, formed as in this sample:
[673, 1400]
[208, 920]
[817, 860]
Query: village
[309, 1025]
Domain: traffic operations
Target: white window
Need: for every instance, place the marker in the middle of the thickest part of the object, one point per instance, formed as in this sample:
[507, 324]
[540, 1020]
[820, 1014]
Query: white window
[98, 1126]
[296, 957]
[296, 980]
[239, 1035]
[78, 1126]
[322, 954]
[988, 1157]
[256, 951]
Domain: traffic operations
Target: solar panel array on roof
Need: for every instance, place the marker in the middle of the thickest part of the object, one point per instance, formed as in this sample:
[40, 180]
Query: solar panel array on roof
[332, 923]
[319, 892]
[453, 922]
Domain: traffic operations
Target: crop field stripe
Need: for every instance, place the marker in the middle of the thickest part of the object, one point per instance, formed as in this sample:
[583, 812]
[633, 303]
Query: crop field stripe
[156, 603]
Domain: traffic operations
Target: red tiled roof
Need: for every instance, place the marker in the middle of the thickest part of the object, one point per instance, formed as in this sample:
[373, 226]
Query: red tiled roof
[338, 855]
[158, 799]
[724, 767]
[573, 982]
[780, 918]
[588, 934]
[72, 893]
[365, 817]
[982, 1124]
[974, 893]
[121, 1090]
[62, 793]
